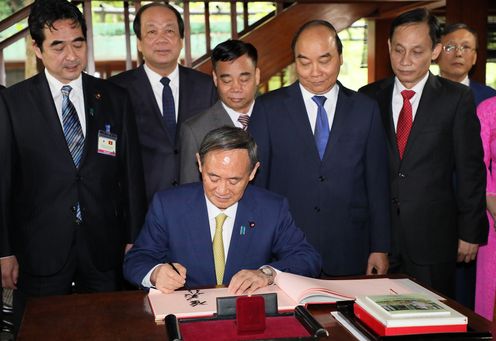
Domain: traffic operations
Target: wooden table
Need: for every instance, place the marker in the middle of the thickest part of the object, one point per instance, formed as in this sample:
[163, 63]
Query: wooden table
[127, 316]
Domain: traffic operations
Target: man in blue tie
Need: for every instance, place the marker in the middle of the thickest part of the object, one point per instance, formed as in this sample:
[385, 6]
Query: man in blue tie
[323, 147]
[71, 181]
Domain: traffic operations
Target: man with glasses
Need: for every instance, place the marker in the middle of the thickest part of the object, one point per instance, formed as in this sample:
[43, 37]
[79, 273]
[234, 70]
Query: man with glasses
[455, 61]
[458, 56]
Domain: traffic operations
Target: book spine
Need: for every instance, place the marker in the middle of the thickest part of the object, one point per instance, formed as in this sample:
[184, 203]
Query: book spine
[382, 330]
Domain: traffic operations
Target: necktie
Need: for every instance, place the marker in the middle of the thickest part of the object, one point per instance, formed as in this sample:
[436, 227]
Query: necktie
[168, 108]
[244, 119]
[218, 247]
[404, 121]
[321, 125]
[72, 132]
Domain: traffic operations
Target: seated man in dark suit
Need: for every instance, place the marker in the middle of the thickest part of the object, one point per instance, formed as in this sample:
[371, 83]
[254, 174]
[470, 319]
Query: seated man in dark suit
[221, 231]
[236, 77]
[163, 93]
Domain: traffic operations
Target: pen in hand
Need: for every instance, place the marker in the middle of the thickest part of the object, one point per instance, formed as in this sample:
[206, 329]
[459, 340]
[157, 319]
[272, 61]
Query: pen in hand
[177, 271]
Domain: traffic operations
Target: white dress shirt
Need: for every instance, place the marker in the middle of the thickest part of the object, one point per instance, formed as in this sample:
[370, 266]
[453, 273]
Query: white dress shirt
[158, 87]
[329, 105]
[397, 102]
[76, 96]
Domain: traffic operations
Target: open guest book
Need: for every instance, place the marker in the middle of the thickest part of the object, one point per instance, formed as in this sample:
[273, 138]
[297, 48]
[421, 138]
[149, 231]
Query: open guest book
[291, 291]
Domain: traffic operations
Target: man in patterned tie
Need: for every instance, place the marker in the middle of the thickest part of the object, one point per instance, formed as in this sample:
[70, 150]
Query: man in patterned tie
[323, 147]
[71, 181]
[220, 231]
[435, 158]
[236, 77]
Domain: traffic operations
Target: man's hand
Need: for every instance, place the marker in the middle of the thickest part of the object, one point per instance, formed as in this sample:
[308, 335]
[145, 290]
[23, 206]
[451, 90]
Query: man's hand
[491, 207]
[377, 264]
[466, 251]
[10, 272]
[166, 279]
[247, 281]
[127, 248]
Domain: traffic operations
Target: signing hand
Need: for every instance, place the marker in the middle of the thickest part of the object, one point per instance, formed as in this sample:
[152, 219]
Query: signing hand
[166, 279]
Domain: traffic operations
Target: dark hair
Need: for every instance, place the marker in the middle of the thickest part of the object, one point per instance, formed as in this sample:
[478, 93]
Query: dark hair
[460, 26]
[418, 15]
[137, 19]
[45, 13]
[313, 23]
[229, 138]
[232, 50]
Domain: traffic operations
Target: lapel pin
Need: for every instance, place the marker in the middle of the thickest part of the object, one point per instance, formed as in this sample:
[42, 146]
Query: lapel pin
[242, 230]
[251, 224]
[92, 112]
[98, 95]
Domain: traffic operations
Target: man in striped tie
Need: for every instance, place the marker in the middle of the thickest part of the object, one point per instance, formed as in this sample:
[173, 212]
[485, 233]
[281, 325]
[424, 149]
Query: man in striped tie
[221, 231]
[236, 77]
[71, 180]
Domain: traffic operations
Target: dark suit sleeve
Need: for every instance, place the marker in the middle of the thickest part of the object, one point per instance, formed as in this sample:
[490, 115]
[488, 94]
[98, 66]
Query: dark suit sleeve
[133, 179]
[6, 171]
[377, 179]
[469, 172]
[259, 129]
[291, 250]
[188, 169]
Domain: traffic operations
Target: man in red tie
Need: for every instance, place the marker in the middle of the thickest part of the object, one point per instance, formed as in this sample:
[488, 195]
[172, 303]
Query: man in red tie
[435, 154]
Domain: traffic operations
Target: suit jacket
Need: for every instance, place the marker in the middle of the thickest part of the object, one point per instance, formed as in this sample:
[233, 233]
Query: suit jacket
[438, 188]
[481, 91]
[40, 186]
[160, 151]
[177, 230]
[340, 202]
[191, 135]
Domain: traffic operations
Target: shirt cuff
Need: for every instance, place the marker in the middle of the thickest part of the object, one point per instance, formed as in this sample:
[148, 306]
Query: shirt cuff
[146, 282]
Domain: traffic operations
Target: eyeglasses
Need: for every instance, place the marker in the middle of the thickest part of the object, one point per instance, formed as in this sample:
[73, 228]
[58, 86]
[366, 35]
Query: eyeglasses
[464, 49]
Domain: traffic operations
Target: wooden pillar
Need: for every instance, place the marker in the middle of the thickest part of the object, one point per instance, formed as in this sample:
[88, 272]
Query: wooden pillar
[207, 27]
[379, 66]
[90, 67]
[234, 20]
[137, 6]
[187, 33]
[473, 13]
[245, 15]
[127, 36]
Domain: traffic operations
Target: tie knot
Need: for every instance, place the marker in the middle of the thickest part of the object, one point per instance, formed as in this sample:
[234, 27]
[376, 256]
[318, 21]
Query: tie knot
[165, 81]
[66, 90]
[407, 94]
[320, 100]
[219, 221]
[244, 119]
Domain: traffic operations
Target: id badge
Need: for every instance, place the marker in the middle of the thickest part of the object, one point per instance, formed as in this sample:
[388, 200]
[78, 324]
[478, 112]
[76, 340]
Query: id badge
[107, 142]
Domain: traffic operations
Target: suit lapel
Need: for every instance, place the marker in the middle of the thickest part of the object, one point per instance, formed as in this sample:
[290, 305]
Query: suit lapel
[93, 108]
[343, 105]
[198, 232]
[384, 99]
[219, 116]
[143, 88]
[297, 113]
[241, 242]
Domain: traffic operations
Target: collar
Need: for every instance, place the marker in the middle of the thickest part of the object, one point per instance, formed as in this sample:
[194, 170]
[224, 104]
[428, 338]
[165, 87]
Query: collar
[307, 95]
[213, 211]
[155, 77]
[233, 113]
[55, 85]
[418, 88]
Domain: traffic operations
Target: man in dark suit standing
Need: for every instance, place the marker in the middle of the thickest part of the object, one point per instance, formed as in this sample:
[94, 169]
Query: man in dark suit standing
[323, 147]
[236, 77]
[163, 93]
[220, 231]
[71, 182]
[455, 61]
[435, 157]
[458, 56]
